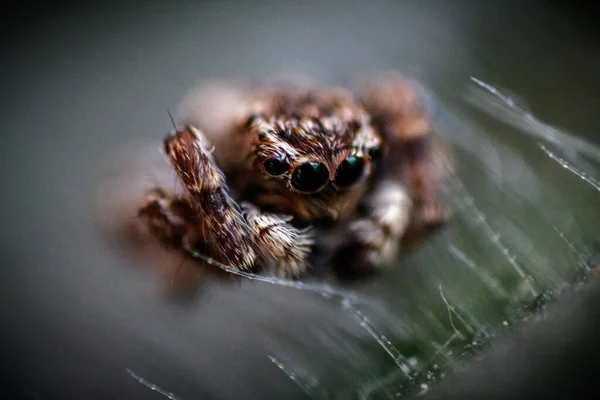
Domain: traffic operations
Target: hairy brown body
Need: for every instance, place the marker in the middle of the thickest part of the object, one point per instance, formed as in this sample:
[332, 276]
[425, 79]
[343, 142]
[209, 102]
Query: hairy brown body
[297, 168]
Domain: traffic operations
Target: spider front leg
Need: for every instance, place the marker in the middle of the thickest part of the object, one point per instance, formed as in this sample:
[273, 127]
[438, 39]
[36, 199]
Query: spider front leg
[239, 240]
[416, 153]
[373, 239]
[221, 224]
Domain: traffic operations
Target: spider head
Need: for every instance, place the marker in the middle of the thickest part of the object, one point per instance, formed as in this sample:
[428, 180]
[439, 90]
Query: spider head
[310, 154]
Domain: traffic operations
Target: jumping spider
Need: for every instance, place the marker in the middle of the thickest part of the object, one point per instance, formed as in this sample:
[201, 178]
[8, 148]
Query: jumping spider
[299, 171]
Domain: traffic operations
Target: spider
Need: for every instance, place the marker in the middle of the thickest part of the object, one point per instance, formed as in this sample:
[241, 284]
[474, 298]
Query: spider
[280, 174]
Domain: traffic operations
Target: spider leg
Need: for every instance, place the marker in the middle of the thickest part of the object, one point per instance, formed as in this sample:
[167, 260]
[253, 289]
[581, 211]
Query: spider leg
[373, 239]
[242, 237]
[405, 203]
[416, 153]
[218, 219]
[282, 247]
[171, 219]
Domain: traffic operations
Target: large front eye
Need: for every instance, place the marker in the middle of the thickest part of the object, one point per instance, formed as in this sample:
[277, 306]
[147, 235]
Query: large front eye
[349, 171]
[276, 166]
[310, 177]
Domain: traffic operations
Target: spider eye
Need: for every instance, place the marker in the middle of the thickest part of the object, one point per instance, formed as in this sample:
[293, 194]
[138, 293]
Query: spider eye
[310, 177]
[251, 119]
[349, 171]
[374, 152]
[276, 166]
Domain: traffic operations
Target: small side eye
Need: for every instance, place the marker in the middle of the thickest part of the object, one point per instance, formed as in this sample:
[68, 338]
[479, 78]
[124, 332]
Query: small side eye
[310, 177]
[374, 152]
[251, 120]
[349, 171]
[276, 166]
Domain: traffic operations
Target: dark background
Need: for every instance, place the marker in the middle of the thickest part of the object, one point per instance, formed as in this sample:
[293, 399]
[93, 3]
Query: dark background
[85, 93]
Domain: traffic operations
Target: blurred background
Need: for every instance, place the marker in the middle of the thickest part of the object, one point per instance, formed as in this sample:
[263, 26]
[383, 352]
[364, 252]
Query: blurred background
[91, 311]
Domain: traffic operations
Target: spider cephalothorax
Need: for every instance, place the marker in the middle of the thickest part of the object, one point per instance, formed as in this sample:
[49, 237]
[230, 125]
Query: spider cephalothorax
[313, 153]
[297, 157]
